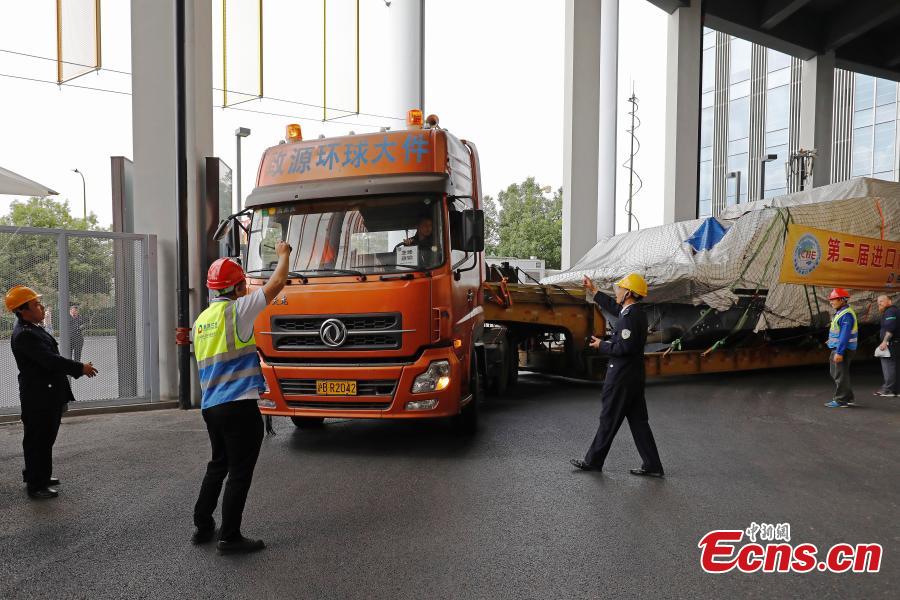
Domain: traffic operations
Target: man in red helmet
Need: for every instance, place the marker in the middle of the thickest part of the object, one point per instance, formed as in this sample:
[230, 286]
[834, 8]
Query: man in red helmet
[230, 380]
[843, 337]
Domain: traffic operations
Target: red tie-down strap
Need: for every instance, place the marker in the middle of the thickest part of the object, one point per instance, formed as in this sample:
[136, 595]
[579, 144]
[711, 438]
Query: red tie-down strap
[182, 336]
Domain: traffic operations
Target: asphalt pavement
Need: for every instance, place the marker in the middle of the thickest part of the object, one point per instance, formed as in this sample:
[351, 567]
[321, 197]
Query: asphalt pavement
[366, 509]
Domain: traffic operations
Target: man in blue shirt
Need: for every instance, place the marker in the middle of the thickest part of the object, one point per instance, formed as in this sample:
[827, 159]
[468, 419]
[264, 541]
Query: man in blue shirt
[843, 337]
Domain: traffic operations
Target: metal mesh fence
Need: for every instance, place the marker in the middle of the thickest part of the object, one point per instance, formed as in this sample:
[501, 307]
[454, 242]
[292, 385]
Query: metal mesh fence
[97, 288]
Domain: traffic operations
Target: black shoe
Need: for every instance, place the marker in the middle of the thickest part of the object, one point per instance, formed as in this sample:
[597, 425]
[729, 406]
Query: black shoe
[645, 473]
[43, 494]
[240, 545]
[204, 535]
[580, 464]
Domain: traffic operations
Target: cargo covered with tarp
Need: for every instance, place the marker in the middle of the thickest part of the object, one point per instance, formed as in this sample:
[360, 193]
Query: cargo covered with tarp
[733, 261]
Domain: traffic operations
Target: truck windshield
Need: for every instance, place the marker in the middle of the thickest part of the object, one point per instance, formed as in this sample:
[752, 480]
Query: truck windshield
[384, 234]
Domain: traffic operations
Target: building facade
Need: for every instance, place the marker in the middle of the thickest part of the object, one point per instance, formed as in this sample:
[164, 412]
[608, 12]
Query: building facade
[750, 124]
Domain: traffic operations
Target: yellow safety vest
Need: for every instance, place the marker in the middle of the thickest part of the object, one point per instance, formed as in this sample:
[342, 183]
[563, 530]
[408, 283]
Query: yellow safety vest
[228, 366]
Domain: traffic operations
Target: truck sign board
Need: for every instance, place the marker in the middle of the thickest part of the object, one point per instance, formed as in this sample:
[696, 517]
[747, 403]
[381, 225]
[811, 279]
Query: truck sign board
[353, 156]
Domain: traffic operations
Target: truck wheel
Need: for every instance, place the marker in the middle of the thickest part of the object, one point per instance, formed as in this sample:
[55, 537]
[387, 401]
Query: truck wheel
[500, 378]
[512, 363]
[308, 422]
[497, 373]
[466, 422]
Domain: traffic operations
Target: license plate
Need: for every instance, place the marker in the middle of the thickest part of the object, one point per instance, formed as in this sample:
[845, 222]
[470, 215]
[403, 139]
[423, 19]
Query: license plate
[328, 387]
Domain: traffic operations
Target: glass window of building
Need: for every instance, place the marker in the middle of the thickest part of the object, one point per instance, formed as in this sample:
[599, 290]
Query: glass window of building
[738, 154]
[861, 150]
[740, 60]
[707, 124]
[778, 117]
[873, 141]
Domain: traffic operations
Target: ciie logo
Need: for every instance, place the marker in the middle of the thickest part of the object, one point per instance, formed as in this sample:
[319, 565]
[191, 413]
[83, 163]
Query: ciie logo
[719, 553]
[807, 254]
[333, 333]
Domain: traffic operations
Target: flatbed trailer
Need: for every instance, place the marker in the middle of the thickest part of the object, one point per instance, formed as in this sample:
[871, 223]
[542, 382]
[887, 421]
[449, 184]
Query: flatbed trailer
[545, 329]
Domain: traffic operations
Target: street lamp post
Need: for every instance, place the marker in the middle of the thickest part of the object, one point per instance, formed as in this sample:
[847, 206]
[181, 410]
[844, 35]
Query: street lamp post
[83, 193]
[240, 132]
[762, 174]
[736, 175]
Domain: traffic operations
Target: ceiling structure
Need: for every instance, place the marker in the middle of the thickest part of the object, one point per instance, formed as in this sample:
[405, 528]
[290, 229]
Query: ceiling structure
[863, 34]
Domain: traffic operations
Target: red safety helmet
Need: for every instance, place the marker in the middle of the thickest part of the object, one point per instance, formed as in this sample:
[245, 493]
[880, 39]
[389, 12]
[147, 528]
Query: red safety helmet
[223, 274]
[838, 293]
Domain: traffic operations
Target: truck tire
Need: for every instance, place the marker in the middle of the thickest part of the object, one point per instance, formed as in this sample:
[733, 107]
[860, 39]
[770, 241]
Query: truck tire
[499, 379]
[466, 422]
[512, 363]
[308, 422]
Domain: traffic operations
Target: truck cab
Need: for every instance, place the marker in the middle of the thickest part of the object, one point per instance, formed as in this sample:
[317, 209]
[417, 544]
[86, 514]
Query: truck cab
[383, 306]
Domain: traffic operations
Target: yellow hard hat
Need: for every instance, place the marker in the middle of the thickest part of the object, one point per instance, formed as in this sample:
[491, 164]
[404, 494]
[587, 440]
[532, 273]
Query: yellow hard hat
[633, 283]
[19, 295]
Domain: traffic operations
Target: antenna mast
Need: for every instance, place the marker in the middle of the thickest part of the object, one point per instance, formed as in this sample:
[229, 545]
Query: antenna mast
[629, 164]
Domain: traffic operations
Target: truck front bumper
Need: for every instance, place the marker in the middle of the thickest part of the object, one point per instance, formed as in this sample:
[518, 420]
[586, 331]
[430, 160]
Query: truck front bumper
[383, 390]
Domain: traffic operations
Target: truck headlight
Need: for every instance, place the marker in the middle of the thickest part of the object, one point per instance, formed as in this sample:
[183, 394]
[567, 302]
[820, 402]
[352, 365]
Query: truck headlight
[263, 403]
[434, 379]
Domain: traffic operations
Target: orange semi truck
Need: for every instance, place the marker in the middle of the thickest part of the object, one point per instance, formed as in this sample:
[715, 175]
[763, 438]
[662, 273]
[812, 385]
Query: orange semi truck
[383, 308]
[389, 311]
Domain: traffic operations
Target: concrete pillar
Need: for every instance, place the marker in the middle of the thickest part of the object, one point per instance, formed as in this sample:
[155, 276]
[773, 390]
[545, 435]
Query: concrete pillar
[683, 72]
[581, 128]
[154, 146]
[609, 111]
[816, 106]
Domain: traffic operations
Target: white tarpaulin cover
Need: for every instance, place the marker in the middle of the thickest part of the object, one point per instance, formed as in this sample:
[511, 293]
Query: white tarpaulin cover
[749, 255]
[14, 184]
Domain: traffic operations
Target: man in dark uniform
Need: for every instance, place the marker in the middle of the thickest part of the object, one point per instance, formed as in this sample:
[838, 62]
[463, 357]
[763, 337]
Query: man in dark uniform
[43, 388]
[623, 388]
[890, 344]
[76, 333]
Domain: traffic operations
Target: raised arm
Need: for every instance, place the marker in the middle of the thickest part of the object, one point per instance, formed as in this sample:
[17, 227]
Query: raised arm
[279, 276]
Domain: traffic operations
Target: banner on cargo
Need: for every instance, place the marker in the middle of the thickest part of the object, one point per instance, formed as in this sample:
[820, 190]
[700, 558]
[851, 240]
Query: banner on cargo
[834, 259]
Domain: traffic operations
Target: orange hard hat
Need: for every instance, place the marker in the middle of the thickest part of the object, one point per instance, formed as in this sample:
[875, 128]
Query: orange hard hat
[223, 274]
[838, 293]
[19, 295]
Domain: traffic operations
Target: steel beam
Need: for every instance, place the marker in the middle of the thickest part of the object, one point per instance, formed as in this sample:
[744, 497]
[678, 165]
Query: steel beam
[670, 6]
[775, 12]
[857, 18]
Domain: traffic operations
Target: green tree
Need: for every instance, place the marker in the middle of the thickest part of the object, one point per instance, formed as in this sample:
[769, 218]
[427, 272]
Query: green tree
[530, 222]
[491, 225]
[32, 259]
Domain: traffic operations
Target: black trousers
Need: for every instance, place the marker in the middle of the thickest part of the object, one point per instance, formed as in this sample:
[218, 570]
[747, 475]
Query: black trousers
[236, 434]
[622, 400]
[41, 428]
[75, 347]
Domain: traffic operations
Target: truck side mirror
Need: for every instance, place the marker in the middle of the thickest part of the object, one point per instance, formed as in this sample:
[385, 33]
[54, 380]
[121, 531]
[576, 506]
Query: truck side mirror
[473, 230]
[225, 226]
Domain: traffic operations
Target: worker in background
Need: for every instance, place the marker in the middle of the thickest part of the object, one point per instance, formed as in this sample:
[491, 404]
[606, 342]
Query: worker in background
[842, 339]
[76, 333]
[623, 388]
[890, 343]
[230, 380]
[43, 388]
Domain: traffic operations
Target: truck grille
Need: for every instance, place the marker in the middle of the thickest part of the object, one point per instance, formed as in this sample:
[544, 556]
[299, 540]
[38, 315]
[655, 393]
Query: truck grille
[339, 405]
[363, 332]
[307, 387]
